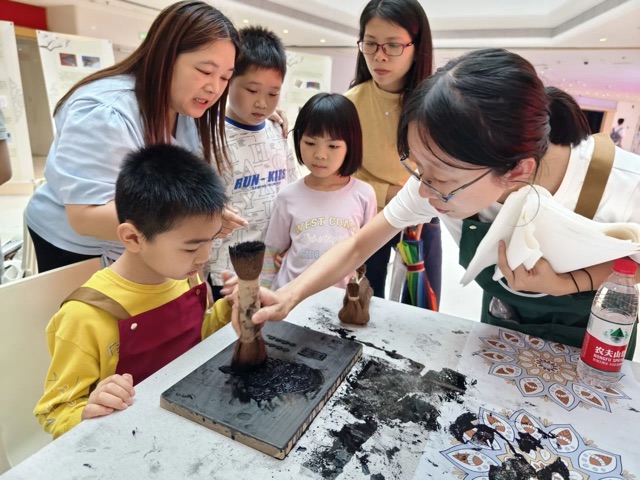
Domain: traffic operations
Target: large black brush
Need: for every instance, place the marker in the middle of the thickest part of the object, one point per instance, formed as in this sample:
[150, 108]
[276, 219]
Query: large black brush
[250, 351]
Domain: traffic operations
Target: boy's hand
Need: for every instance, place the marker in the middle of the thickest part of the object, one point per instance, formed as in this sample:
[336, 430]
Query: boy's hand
[230, 222]
[278, 259]
[229, 283]
[113, 393]
[280, 117]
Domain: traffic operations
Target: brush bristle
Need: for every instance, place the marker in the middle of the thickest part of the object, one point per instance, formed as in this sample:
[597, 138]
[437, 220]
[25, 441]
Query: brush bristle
[247, 258]
[248, 356]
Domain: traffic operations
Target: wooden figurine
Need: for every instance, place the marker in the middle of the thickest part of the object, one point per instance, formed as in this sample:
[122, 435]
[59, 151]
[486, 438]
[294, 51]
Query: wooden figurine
[357, 297]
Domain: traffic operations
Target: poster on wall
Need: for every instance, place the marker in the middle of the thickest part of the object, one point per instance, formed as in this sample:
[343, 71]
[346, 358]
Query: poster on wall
[307, 75]
[12, 105]
[67, 59]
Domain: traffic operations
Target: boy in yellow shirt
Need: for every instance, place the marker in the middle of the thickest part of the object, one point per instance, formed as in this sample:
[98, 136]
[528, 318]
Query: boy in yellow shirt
[132, 318]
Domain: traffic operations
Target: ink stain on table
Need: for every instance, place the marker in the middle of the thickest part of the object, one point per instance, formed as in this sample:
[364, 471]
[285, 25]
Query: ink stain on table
[380, 396]
[516, 467]
[275, 378]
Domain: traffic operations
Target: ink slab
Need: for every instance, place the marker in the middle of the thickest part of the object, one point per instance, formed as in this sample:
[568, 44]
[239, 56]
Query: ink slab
[209, 396]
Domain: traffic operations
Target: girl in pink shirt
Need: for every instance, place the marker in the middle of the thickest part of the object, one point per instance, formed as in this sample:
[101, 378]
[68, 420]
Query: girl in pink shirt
[327, 205]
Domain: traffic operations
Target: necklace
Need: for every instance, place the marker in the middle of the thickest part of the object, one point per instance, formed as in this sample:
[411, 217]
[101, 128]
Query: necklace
[391, 110]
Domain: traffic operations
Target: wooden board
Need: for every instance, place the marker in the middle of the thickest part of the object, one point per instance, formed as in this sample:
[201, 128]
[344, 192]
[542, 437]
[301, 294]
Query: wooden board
[267, 421]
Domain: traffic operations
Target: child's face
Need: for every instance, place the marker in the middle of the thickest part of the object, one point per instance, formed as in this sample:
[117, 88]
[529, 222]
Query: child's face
[323, 156]
[389, 73]
[254, 95]
[200, 77]
[182, 251]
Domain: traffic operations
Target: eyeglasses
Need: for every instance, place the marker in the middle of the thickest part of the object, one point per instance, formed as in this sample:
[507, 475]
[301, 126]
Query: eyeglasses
[392, 49]
[439, 194]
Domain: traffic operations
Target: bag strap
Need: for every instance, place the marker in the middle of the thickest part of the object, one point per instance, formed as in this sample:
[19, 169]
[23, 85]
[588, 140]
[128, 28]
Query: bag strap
[595, 181]
[97, 299]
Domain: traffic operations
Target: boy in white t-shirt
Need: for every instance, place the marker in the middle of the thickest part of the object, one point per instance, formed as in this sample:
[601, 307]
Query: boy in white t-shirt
[261, 161]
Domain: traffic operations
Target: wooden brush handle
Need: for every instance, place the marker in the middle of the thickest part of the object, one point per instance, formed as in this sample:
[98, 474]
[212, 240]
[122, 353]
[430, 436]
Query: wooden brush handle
[248, 304]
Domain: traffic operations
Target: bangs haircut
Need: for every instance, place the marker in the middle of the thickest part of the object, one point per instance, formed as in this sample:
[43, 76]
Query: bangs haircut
[160, 186]
[335, 116]
[487, 108]
[262, 49]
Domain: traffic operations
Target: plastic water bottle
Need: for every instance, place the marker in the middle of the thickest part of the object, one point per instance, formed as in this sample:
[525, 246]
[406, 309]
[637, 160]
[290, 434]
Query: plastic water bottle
[613, 315]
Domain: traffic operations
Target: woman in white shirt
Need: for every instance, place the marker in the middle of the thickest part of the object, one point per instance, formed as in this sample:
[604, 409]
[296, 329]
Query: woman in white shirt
[478, 130]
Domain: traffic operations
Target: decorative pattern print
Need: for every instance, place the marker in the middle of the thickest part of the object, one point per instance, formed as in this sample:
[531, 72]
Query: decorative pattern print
[544, 369]
[501, 445]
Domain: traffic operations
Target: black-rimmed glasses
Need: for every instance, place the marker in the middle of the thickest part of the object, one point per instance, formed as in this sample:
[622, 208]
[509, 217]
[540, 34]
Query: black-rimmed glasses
[392, 49]
[439, 194]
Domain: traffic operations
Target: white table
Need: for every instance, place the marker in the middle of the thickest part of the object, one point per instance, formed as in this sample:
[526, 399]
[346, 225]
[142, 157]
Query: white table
[146, 441]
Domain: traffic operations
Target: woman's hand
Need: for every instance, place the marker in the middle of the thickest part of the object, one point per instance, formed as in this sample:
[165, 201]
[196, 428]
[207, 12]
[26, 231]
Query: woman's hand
[113, 393]
[540, 279]
[230, 222]
[274, 306]
[280, 117]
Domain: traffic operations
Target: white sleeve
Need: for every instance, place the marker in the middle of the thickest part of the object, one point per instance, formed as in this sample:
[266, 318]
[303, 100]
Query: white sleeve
[90, 147]
[408, 207]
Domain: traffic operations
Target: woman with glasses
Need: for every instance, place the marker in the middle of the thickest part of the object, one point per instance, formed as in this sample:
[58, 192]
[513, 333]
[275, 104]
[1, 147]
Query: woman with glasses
[478, 130]
[395, 55]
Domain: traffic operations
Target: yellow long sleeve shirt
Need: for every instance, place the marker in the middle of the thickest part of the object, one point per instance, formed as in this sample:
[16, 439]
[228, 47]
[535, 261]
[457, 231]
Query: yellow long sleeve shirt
[84, 343]
[379, 114]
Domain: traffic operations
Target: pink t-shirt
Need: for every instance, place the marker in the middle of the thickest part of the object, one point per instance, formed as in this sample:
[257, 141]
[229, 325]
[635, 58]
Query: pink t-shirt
[311, 222]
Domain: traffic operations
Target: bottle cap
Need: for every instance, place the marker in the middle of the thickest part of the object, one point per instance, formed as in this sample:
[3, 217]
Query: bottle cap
[625, 265]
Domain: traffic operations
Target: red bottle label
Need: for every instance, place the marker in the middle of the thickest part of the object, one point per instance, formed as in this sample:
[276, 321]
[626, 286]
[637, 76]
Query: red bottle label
[601, 355]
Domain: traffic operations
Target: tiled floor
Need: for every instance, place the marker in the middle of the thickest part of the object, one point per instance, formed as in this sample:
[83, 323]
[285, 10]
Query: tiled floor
[456, 300]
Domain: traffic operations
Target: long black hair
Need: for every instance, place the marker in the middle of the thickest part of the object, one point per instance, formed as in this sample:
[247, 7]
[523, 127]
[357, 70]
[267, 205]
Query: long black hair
[409, 15]
[486, 108]
[569, 126]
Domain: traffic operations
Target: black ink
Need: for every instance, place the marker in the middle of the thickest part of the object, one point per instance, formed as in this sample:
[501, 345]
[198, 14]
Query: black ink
[380, 394]
[391, 452]
[345, 444]
[527, 442]
[516, 467]
[88, 465]
[346, 333]
[512, 469]
[276, 377]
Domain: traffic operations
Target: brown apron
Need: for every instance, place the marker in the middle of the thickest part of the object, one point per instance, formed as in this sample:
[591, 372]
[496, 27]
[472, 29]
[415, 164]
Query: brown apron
[152, 339]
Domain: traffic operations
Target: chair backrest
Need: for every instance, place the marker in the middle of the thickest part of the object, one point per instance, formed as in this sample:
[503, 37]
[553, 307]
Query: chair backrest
[26, 307]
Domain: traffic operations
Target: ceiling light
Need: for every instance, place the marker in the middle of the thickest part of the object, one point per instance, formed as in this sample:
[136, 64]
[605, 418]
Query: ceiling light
[603, 39]
[322, 40]
[285, 31]
[245, 21]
